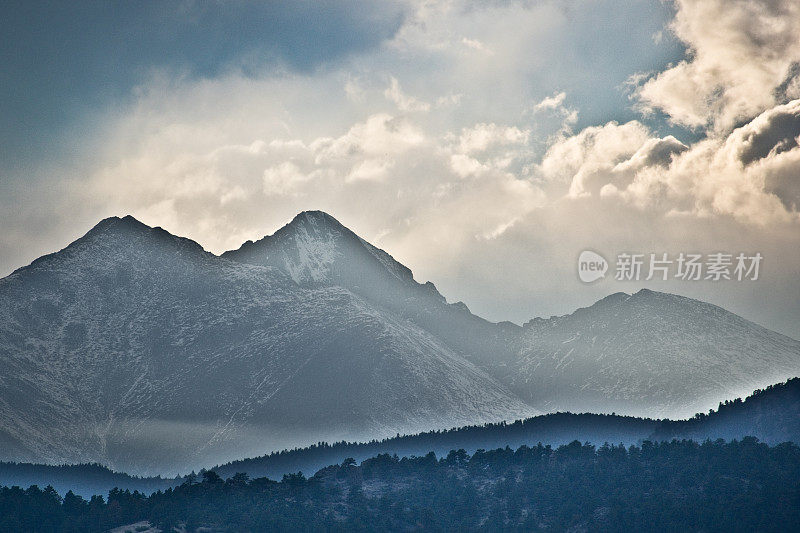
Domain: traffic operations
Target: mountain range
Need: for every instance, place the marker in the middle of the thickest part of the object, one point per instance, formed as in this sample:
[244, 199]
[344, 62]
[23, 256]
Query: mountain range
[138, 349]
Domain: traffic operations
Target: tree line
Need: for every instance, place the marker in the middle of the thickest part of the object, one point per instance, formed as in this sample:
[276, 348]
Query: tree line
[741, 485]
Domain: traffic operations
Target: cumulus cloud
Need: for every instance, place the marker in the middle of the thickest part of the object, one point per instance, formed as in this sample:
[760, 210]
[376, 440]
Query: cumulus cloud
[749, 174]
[481, 137]
[402, 100]
[551, 102]
[281, 179]
[740, 52]
[768, 146]
[735, 86]
[655, 152]
[588, 160]
[555, 106]
[772, 133]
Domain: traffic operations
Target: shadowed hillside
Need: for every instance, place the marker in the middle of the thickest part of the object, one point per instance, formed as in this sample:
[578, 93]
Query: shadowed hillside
[771, 415]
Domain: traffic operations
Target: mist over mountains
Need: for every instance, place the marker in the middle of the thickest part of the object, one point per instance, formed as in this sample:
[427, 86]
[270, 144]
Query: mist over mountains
[769, 415]
[137, 349]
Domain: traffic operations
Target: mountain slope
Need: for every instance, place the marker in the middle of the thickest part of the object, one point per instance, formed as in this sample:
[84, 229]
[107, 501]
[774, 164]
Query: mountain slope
[140, 350]
[315, 249]
[771, 415]
[648, 354]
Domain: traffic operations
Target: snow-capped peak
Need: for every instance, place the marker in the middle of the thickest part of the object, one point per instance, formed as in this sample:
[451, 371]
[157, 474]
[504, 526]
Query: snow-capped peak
[116, 237]
[316, 248]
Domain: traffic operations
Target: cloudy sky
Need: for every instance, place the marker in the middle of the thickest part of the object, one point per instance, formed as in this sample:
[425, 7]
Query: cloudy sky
[483, 144]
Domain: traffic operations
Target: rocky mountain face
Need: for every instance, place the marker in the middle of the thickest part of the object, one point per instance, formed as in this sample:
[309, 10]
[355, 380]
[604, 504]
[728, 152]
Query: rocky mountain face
[647, 354]
[316, 250]
[138, 349]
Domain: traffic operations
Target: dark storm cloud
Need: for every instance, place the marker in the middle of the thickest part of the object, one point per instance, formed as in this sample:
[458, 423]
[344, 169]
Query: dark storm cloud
[62, 59]
[774, 133]
[777, 133]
